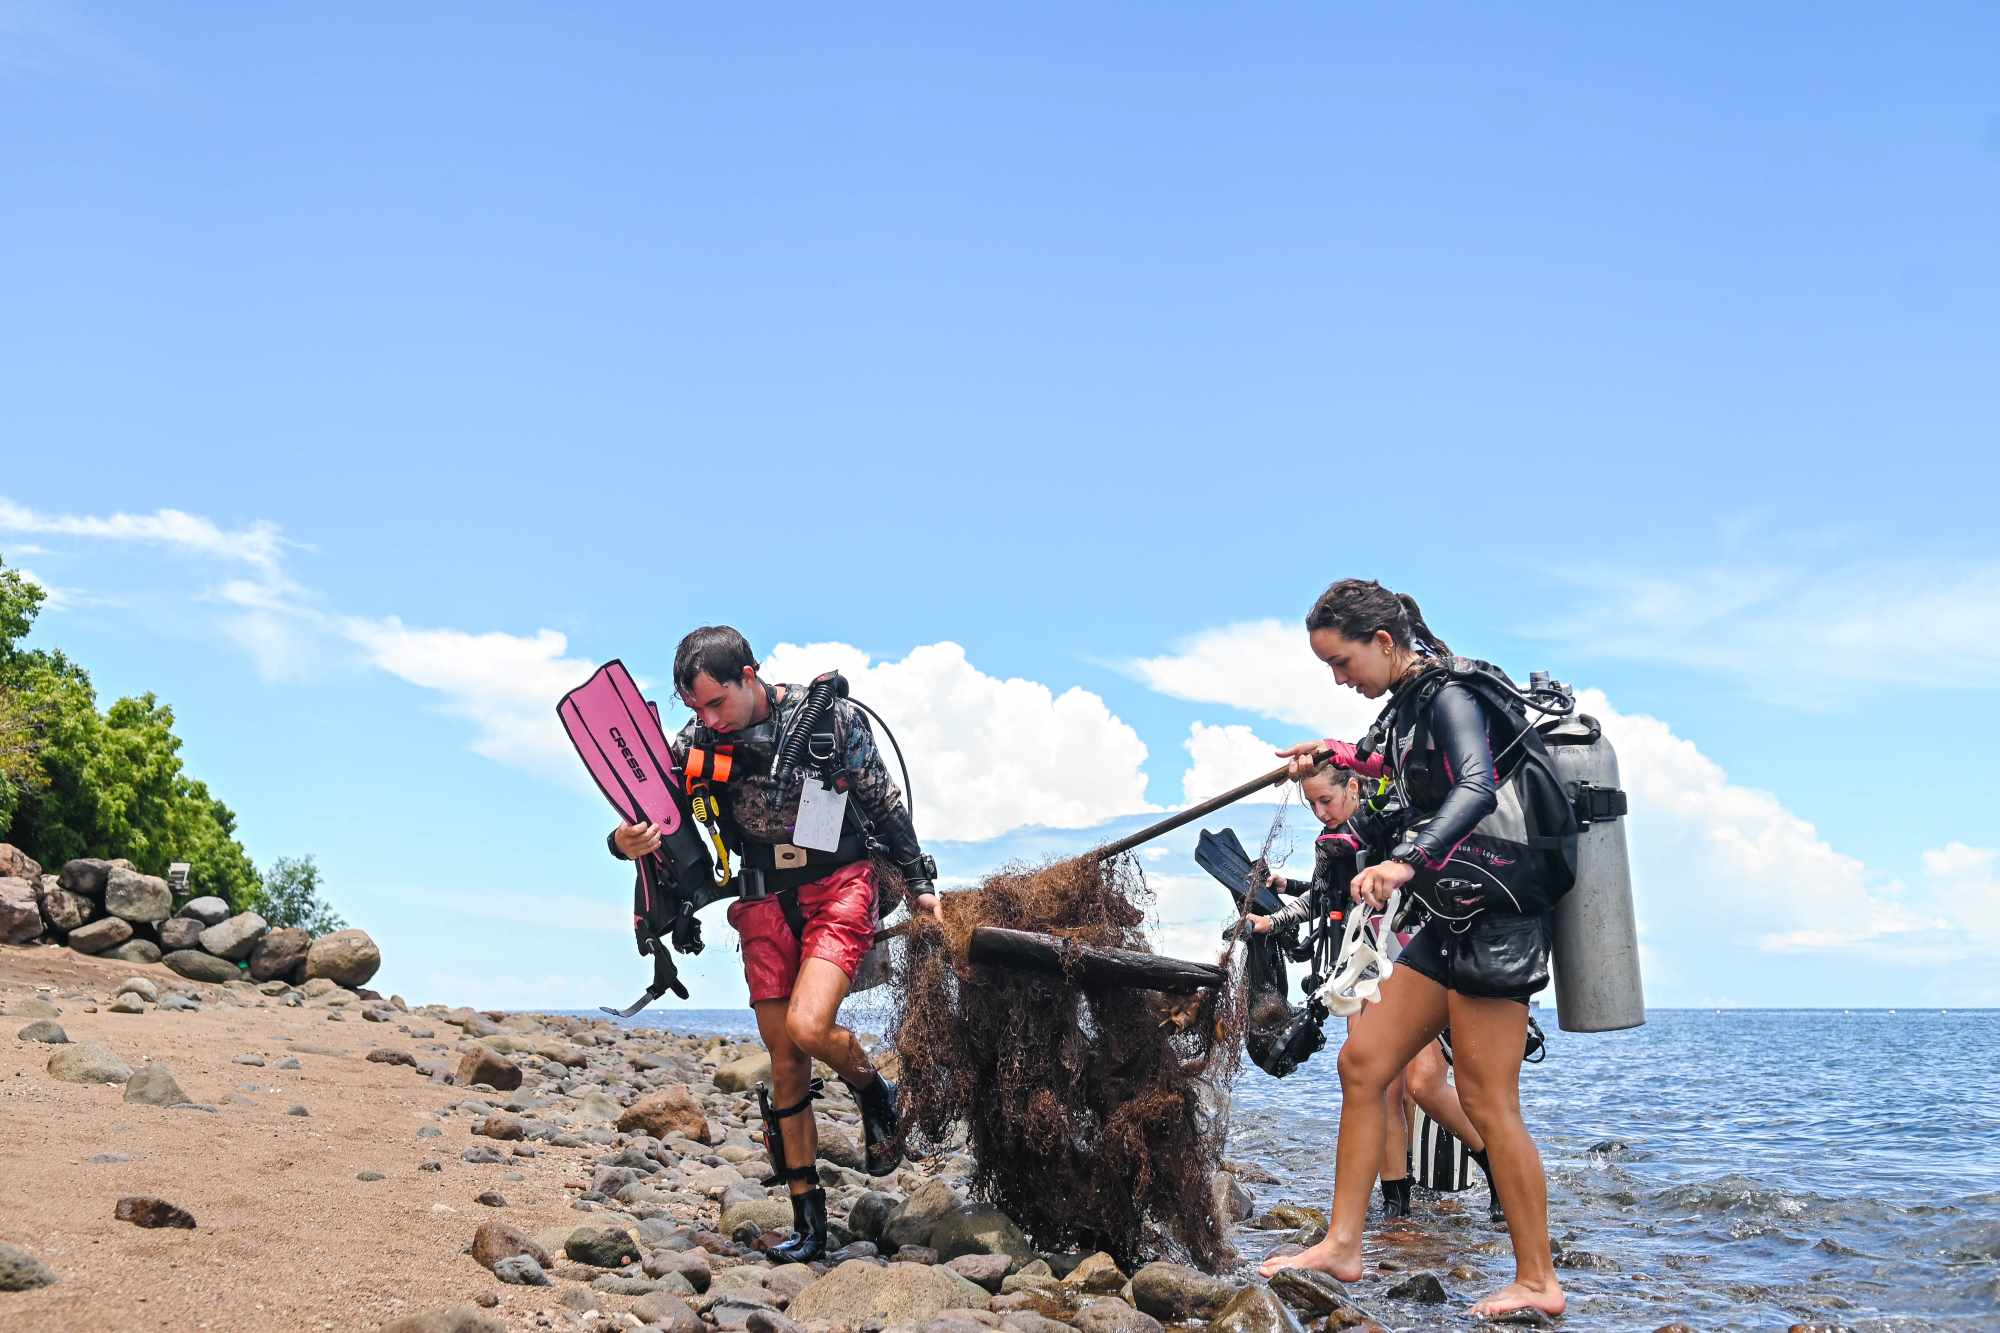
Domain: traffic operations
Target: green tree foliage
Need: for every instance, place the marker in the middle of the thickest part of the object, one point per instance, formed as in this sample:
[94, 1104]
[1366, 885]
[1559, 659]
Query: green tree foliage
[75, 781]
[291, 897]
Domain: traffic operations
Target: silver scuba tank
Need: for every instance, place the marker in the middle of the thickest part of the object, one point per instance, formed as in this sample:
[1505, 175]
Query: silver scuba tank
[1598, 988]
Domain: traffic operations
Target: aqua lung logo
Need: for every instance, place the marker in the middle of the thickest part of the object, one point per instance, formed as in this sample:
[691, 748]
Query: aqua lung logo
[631, 760]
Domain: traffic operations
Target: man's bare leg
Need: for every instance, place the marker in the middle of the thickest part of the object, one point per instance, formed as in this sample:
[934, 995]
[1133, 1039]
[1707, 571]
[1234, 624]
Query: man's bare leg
[1487, 1039]
[1380, 1042]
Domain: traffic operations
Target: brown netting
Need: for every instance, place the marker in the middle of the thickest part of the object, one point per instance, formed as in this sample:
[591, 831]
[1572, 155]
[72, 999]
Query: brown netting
[1096, 1117]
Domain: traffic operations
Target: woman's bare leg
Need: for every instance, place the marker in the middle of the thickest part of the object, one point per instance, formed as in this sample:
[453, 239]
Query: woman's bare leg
[1380, 1041]
[1432, 1090]
[1487, 1038]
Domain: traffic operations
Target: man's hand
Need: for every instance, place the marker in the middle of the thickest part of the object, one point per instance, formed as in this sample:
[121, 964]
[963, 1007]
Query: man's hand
[1275, 879]
[1374, 885]
[1259, 925]
[637, 840]
[930, 902]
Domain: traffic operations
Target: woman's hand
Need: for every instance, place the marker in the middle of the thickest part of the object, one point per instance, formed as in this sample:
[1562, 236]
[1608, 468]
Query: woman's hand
[1374, 885]
[1299, 758]
[1275, 879]
[637, 840]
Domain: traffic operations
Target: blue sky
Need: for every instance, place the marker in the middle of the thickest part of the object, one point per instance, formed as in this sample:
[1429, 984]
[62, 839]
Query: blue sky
[369, 376]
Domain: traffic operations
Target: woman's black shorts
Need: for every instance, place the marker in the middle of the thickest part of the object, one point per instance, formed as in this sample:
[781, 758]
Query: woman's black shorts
[1496, 955]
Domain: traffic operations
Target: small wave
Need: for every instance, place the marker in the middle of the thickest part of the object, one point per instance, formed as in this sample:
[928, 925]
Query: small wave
[1740, 1195]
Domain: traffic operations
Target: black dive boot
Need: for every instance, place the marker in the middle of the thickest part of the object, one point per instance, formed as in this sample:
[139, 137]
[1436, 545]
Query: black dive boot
[1396, 1198]
[809, 1230]
[880, 1125]
[1494, 1212]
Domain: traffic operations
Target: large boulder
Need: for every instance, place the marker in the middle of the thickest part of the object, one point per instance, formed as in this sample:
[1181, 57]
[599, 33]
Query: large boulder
[347, 957]
[181, 933]
[279, 954]
[859, 1291]
[198, 966]
[982, 1229]
[910, 1222]
[20, 912]
[63, 910]
[1173, 1293]
[674, 1111]
[134, 950]
[745, 1074]
[17, 864]
[86, 875]
[100, 935]
[210, 911]
[88, 1062]
[236, 937]
[137, 897]
[481, 1065]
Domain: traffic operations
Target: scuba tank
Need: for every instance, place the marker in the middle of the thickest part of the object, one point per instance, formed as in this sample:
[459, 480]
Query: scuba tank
[1598, 988]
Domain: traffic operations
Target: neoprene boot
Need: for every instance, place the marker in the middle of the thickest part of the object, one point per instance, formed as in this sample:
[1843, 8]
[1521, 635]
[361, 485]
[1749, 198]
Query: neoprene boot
[809, 1229]
[1494, 1212]
[880, 1125]
[1396, 1198]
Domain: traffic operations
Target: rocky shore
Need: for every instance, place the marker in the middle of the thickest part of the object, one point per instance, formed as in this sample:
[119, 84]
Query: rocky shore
[260, 1155]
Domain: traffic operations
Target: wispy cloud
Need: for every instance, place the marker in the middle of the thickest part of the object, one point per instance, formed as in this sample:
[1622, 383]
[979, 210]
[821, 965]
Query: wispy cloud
[260, 544]
[1801, 634]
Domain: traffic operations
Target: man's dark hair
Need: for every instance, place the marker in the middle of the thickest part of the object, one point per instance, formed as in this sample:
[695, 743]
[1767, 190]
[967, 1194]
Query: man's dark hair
[716, 651]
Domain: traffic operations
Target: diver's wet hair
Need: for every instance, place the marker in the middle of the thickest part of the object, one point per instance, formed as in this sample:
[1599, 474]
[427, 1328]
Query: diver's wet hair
[716, 651]
[1356, 608]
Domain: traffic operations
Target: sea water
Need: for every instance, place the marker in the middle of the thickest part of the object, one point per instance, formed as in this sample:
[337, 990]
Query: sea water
[1735, 1169]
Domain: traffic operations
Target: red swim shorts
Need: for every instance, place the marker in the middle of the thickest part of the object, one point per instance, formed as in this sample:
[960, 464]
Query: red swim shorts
[840, 925]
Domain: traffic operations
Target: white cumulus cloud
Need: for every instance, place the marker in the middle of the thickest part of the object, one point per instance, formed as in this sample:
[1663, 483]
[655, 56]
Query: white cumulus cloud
[987, 754]
[1221, 758]
[1260, 666]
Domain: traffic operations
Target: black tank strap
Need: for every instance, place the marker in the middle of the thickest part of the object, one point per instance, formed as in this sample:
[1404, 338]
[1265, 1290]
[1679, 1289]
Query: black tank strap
[813, 1091]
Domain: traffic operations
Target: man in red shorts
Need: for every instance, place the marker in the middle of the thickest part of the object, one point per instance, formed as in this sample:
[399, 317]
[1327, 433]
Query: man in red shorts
[791, 779]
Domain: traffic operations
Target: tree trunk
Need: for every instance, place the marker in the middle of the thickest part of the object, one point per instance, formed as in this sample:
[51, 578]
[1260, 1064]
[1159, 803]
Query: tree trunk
[1027, 951]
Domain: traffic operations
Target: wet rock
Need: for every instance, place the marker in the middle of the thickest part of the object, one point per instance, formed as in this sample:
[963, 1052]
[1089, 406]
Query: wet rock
[154, 1085]
[142, 1211]
[137, 898]
[1526, 1316]
[198, 966]
[602, 1247]
[458, 1319]
[279, 954]
[346, 957]
[207, 911]
[869, 1213]
[1419, 1288]
[481, 1065]
[1173, 1293]
[980, 1229]
[100, 935]
[1231, 1201]
[21, 1271]
[520, 1270]
[180, 933]
[859, 1291]
[1255, 1310]
[1109, 1314]
[20, 911]
[1097, 1274]
[1289, 1217]
[88, 1062]
[44, 1029]
[128, 1004]
[1027, 1321]
[745, 1074]
[495, 1241]
[674, 1111]
[1567, 1258]
[235, 938]
[1313, 1293]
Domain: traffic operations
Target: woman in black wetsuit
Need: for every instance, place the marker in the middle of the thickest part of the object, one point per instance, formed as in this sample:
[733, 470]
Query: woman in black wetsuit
[1475, 975]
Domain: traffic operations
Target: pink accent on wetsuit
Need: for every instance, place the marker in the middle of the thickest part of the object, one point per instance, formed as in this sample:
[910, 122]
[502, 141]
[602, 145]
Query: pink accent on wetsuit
[1343, 757]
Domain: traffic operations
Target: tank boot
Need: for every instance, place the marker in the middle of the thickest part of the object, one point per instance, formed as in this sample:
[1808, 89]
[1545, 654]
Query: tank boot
[880, 1124]
[1396, 1198]
[809, 1228]
[1494, 1212]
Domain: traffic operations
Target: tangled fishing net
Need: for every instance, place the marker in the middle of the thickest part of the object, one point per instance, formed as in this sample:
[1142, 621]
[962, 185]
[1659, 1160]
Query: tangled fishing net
[1095, 1115]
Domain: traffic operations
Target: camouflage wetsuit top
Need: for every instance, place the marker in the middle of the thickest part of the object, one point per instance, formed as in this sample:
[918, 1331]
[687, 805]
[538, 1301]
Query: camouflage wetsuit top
[760, 810]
